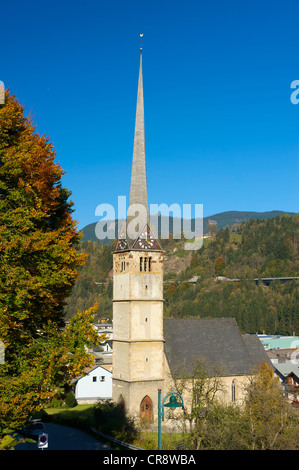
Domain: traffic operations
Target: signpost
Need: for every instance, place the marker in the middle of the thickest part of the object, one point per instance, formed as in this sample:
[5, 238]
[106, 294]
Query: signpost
[42, 442]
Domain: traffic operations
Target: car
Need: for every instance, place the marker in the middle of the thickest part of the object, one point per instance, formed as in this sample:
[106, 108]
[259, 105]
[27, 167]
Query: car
[34, 429]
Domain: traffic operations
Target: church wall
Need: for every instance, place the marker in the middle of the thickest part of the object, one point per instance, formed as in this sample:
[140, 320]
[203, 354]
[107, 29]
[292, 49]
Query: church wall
[146, 320]
[121, 320]
[224, 395]
[146, 360]
[130, 283]
[133, 394]
[121, 361]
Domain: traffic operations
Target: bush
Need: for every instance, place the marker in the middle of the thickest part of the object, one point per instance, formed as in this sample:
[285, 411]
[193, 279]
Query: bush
[112, 420]
[70, 400]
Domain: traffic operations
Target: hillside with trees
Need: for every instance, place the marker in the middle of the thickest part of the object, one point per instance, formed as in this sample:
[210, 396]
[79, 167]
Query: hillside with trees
[250, 250]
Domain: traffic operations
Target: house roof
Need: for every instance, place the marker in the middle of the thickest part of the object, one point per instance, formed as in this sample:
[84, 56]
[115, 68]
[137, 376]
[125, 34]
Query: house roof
[282, 342]
[288, 369]
[216, 341]
[88, 371]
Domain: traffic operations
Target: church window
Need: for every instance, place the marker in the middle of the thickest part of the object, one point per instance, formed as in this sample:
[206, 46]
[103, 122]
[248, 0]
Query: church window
[121, 401]
[145, 260]
[149, 264]
[141, 261]
[233, 391]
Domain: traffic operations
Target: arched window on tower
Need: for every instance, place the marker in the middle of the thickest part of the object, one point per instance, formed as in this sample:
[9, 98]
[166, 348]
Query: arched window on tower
[141, 263]
[121, 403]
[149, 263]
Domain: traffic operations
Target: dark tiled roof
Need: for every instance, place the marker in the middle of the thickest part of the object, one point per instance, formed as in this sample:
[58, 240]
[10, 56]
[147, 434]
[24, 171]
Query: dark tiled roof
[215, 341]
[256, 350]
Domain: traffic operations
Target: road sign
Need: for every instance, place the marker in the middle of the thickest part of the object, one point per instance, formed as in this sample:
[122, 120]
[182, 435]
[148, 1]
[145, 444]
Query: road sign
[42, 442]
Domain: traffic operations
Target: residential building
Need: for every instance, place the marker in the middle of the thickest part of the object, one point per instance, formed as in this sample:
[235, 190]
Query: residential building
[94, 387]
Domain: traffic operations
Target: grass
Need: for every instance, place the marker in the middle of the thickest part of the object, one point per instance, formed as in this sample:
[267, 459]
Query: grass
[81, 416]
[169, 441]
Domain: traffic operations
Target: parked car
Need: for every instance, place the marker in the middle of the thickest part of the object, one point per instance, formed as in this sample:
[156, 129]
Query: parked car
[34, 429]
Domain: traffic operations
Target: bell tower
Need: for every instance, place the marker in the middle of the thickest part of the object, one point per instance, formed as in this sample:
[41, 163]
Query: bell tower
[138, 345]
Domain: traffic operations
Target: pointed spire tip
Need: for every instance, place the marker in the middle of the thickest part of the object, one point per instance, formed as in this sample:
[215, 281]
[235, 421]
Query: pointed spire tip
[141, 36]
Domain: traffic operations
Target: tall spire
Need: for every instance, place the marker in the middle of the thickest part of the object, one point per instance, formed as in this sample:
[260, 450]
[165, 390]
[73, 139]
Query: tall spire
[138, 190]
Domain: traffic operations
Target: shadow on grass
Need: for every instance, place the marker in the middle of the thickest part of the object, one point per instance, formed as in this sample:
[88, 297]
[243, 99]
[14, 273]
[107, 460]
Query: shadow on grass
[107, 418]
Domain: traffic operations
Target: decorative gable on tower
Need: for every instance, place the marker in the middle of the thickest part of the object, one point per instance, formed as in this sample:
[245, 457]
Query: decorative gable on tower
[122, 243]
[146, 241]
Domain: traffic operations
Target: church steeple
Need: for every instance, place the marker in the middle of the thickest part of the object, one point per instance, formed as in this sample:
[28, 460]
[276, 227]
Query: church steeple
[135, 233]
[138, 190]
[138, 344]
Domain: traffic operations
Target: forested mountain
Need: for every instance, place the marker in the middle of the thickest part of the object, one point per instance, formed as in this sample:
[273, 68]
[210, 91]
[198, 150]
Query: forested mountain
[253, 249]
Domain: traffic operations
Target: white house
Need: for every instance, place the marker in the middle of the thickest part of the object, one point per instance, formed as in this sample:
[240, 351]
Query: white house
[95, 386]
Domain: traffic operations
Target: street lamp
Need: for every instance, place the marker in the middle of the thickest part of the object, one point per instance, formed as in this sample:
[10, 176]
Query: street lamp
[173, 403]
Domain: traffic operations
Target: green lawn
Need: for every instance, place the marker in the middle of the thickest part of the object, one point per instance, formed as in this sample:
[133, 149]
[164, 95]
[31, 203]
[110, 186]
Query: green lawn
[81, 416]
[169, 441]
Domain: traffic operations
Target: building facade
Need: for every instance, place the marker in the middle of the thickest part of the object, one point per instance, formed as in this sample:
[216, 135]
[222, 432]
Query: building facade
[93, 387]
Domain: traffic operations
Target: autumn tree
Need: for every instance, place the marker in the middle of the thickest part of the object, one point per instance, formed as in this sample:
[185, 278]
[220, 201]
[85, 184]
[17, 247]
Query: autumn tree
[271, 422]
[220, 266]
[39, 261]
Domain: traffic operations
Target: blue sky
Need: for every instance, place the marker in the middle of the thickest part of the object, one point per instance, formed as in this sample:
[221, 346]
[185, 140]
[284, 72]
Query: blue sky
[219, 123]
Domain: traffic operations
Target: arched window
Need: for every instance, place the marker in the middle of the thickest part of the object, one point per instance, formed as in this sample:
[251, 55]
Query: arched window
[150, 264]
[141, 261]
[145, 260]
[146, 409]
[121, 403]
[233, 390]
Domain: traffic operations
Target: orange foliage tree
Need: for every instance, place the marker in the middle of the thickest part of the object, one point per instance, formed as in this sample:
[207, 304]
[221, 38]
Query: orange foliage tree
[39, 263]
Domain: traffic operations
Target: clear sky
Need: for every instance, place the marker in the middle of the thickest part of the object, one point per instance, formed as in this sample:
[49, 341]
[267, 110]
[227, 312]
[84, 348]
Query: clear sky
[220, 127]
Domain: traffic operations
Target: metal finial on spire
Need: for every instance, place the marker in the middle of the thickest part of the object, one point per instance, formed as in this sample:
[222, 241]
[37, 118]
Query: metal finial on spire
[141, 36]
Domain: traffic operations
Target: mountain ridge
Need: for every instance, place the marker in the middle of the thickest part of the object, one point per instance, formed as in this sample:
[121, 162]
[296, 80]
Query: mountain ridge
[223, 220]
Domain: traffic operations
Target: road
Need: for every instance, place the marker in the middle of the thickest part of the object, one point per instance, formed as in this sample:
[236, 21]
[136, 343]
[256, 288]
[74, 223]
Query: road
[64, 438]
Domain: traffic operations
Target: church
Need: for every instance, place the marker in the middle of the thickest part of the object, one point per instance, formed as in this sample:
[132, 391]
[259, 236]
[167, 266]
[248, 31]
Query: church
[149, 351]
